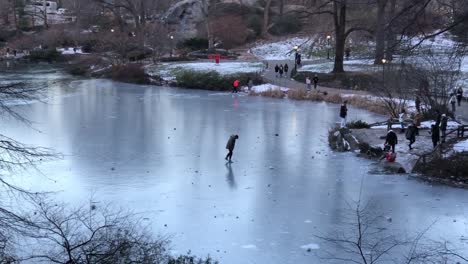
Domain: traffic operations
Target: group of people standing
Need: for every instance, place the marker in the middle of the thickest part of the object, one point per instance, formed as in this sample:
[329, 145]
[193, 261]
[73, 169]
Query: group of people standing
[280, 70]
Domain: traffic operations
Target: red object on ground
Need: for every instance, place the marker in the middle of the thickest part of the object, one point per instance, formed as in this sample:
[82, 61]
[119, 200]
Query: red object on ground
[216, 57]
[390, 157]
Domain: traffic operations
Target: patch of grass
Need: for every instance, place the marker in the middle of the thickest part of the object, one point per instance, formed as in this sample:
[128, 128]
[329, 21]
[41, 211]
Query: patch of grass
[212, 80]
[130, 73]
[358, 124]
[298, 94]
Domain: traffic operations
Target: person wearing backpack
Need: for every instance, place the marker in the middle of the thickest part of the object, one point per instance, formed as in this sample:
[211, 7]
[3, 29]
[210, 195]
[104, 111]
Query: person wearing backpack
[411, 132]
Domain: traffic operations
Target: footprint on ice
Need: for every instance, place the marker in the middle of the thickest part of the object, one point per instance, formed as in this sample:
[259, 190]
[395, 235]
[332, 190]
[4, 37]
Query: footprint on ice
[250, 246]
[310, 246]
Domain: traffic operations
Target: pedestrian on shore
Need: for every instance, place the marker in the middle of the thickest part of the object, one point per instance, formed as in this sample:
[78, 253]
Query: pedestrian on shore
[15, 52]
[281, 71]
[459, 95]
[411, 134]
[299, 60]
[230, 146]
[308, 83]
[443, 127]
[286, 69]
[235, 85]
[391, 140]
[438, 118]
[452, 102]
[435, 134]
[266, 64]
[348, 53]
[315, 79]
[401, 119]
[250, 84]
[417, 103]
[343, 113]
[276, 70]
[417, 120]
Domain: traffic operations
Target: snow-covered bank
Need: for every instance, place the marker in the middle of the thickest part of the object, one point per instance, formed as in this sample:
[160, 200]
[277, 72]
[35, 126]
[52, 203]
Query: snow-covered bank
[281, 50]
[167, 71]
[267, 87]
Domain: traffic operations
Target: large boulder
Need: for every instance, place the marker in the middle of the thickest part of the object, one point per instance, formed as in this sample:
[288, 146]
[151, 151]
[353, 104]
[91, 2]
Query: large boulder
[185, 15]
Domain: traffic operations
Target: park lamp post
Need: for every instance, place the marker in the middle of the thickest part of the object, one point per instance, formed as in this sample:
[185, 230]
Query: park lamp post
[112, 30]
[328, 46]
[296, 50]
[172, 44]
[384, 61]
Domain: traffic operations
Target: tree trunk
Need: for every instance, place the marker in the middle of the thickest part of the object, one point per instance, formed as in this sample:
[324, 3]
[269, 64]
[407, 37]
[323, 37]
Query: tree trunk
[380, 32]
[340, 34]
[266, 18]
[281, 7]
[391, 36]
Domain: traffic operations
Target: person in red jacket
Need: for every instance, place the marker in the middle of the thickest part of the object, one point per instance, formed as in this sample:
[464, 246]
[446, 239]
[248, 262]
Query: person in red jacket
[235, 85]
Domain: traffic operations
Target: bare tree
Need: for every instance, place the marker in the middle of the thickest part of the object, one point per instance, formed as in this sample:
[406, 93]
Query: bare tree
[365, 239]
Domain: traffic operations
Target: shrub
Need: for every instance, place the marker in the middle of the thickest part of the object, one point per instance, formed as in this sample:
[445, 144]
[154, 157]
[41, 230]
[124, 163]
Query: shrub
[358, 124]
[273, 93]
[193, 44]
[212, 80]
[286, 25]
[254, 22]
[131, 73]
[298, 94]
[45, 55]
[83, 65]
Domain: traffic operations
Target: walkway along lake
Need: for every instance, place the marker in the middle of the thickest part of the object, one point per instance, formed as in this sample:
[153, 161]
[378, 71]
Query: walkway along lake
[160, 151]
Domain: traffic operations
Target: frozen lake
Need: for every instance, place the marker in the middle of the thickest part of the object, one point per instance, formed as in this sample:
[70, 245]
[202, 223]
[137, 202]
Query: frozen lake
[160, 151]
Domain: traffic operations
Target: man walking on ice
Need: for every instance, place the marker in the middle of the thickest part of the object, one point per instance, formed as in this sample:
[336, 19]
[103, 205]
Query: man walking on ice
[230, 146]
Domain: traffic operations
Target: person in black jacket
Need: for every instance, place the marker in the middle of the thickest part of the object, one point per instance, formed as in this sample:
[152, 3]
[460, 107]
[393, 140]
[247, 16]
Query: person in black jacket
[343, 113]
[230, 146]
[391, 139]
[286, 69]
[459, 95]
[315, 79]
[411, 135]
[276, 70]
[435, 134]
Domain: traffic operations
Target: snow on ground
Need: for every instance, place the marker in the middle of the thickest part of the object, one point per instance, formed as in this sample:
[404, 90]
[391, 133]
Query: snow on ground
[461, 146]
[167, 71]
[281, 50]
[349, 65]
[267, 87]
[69, 51]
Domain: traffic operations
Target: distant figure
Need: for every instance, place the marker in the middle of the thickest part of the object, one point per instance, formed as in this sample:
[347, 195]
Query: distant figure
[315, 79]
[443, 126]
[459, 95]
[452, 102]
[14, 53]
[250, 84]
[230, 146]
[348, 53]
[435, 134]
[276, 70]
[438, 118]
[417, 120]
[74, 49]
[281, 70]
[286, 69]
[343, 113]
[411, 133]
[391, 140]
[266, 64]
[417, 103]
[235, 85]
[298, 60]
[308, 83]
[401, 119]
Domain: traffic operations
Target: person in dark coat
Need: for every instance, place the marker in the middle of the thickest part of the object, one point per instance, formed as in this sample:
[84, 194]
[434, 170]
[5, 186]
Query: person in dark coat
[276, 70]
[459, 95]
[315, 79]
[343, 113]
[417, 103]
[286, 69]
[435, 134]
[299, 60]
[281, 71]
[391, 139]
[230, 146]
[411, 132]
[443, 126]
[438, 118]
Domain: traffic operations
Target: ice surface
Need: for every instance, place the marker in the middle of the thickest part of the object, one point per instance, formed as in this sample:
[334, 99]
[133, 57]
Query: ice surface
[167, 146]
